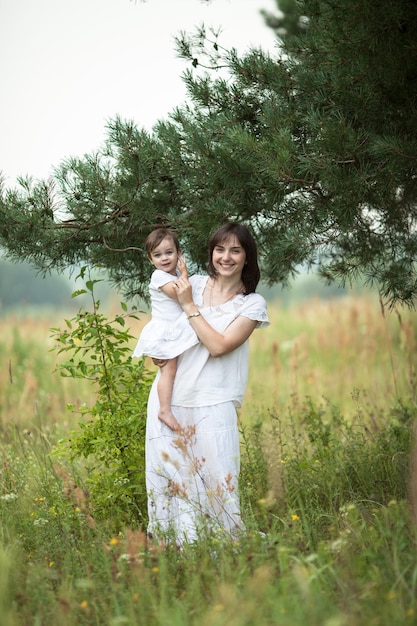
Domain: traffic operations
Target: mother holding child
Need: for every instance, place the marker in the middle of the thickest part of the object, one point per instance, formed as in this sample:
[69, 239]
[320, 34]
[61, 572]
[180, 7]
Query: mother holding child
[192, 446]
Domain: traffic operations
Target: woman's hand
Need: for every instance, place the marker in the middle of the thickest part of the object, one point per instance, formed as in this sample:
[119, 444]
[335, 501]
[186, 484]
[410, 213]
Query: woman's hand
[170, 289]
[184, 293]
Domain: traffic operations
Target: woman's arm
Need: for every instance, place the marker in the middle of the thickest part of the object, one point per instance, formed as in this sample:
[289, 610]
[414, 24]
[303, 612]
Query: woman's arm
[216, 343]
[219, 344]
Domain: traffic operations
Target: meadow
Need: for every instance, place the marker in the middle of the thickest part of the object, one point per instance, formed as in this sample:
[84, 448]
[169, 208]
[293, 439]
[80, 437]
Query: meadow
[327, 485]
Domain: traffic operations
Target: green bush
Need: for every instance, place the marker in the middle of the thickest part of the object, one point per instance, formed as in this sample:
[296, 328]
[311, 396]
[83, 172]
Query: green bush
[111, 435]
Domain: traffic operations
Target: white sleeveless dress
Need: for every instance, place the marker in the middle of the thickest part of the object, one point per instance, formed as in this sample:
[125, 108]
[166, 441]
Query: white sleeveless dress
[192, 476]
[169, 332]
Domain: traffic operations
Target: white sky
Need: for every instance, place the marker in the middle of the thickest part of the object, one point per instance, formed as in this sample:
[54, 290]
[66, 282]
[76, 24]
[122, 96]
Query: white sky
[68, 66]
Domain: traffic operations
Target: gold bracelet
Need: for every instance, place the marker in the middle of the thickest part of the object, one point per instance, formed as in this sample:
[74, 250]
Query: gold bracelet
[196, 314]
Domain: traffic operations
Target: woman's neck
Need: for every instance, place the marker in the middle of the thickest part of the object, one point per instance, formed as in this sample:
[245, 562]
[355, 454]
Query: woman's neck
[221, 290]
[221, 284]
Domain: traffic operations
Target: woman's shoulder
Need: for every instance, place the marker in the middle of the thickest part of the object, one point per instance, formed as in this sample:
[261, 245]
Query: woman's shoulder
[254, 306]
[256, 297]
[198, 281]
[253, 299]
[198, 278]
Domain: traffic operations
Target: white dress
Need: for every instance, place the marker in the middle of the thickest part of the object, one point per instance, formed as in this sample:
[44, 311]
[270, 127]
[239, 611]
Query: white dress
[169, 332]
[192, 476]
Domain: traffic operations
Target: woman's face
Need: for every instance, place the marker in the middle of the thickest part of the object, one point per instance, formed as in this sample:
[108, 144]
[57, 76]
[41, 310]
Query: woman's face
[229, 257]
[165, 256]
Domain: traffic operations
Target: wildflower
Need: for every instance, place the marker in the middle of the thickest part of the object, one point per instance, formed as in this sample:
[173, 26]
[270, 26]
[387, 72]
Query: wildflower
[114, 541]
[294, 517]
[83, 604]
[337, 544]
[8, 497]
[155, 570]
[51, 563]
[118, 482]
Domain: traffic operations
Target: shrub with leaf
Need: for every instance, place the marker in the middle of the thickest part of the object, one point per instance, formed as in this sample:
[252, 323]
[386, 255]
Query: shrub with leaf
[111, 433]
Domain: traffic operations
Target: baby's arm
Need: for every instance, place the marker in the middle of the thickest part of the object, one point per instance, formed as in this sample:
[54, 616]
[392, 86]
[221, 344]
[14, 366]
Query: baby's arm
[169, 289]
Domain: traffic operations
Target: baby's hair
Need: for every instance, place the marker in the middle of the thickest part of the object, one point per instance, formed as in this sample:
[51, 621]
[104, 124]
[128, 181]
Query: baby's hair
[156, 236]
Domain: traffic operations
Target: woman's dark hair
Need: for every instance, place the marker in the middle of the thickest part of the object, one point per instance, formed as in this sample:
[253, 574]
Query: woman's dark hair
[156, 236]
[250, 273]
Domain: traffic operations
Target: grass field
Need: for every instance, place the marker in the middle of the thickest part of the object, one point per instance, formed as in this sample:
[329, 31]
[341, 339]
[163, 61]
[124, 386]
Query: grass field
[327, 439]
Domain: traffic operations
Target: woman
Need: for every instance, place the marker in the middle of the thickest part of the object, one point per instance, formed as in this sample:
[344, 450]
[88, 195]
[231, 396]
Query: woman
[192, 475]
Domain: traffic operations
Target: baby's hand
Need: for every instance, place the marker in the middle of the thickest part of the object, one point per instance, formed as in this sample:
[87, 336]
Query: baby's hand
[182, 267]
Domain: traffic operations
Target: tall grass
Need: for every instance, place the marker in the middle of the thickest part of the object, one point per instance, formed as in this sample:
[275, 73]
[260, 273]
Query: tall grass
[30, 393]
[327, 432]
[347, 351]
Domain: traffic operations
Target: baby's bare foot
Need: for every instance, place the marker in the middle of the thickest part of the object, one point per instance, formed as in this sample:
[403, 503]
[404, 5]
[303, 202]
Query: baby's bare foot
[169, 420]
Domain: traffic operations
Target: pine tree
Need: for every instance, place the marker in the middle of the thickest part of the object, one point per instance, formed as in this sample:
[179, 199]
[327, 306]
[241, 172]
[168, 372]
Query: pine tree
[313, 146]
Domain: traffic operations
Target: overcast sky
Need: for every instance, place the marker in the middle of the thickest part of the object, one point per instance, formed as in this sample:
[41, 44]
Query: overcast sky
[68, 66]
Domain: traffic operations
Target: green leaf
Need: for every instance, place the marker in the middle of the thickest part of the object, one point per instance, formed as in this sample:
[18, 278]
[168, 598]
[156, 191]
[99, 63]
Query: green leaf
[78, 292]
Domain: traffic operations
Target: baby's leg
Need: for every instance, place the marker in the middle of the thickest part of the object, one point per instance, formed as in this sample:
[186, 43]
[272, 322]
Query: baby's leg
[165, 384]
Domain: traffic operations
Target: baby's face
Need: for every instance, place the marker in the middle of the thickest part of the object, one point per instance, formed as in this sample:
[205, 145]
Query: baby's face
[165, 256]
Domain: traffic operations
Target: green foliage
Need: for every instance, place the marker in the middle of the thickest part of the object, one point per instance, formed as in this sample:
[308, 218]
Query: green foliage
[329, 537]
[313, 146]
[289, 21]
[112, 433]
[334, 461]
[254, 476]
[61, 566]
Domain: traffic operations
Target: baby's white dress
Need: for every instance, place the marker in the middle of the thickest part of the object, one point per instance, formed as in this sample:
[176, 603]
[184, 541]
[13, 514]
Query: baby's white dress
[192, 475]
[169, 332]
